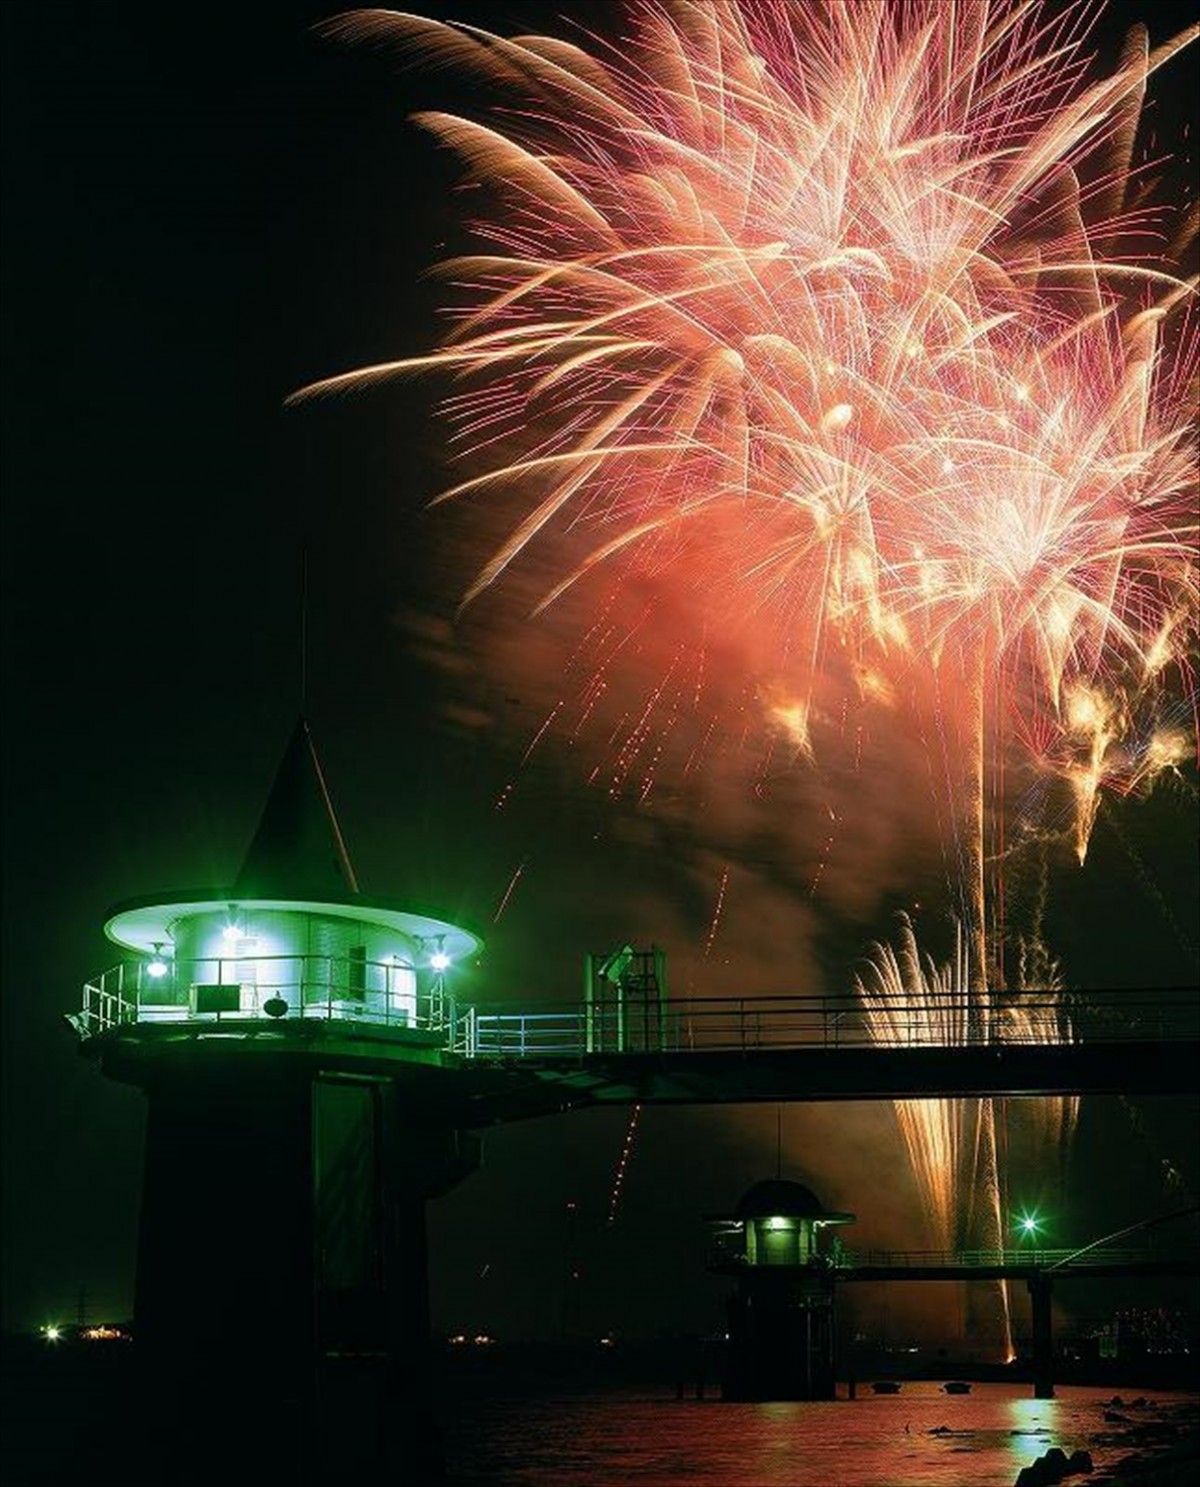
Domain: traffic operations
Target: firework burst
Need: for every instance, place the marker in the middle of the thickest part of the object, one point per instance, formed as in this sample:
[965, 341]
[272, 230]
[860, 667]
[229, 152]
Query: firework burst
[805, 307]
[856, 323]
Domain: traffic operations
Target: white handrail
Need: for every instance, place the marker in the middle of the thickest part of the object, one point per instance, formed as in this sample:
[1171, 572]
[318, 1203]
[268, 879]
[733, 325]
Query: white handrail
[337, 989]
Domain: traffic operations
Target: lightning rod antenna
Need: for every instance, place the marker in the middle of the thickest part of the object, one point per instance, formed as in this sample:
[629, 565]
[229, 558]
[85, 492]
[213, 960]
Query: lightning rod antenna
[304, 630]
[779, 1141]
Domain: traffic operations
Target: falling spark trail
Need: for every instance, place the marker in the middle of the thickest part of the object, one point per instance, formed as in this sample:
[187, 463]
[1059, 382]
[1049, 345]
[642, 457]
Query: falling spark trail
[508, 892]
[537, 737]
[826, 850]
[614, 1198]
[710, 938]
[952, 1144]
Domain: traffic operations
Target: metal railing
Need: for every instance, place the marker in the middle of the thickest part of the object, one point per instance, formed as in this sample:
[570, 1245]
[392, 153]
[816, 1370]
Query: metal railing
[752, 1024]
[270, 988]
[382, 994]
[731, 1251]
[1020, 1255]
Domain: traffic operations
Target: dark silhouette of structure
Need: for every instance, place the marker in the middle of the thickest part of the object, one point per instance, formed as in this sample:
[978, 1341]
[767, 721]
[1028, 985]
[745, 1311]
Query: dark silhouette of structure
[781, 1313]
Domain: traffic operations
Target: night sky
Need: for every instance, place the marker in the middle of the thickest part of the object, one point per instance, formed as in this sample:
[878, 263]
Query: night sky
[204, 210]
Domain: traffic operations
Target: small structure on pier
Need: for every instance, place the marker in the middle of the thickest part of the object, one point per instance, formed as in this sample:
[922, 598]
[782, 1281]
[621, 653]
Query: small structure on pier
[781, 1311]
[625, 996]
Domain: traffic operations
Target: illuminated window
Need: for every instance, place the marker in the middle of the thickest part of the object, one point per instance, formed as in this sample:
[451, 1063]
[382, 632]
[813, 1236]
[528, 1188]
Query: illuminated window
[356, 981]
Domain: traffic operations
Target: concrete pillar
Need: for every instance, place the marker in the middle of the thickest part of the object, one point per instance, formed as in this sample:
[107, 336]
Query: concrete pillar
[1040, 1291]
[282, 1312]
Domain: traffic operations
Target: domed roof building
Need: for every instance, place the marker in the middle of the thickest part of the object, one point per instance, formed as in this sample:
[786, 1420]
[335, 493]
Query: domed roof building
[776, 1222]
[778, 1196]
[781, 1311]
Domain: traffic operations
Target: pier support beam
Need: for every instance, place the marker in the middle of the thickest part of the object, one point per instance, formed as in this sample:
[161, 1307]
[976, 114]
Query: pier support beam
[1040, 1291]
[282, 1312]
[781, 1336]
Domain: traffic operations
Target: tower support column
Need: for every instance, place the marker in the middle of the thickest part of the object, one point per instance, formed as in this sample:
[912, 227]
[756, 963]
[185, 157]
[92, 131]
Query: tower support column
[282, 1310]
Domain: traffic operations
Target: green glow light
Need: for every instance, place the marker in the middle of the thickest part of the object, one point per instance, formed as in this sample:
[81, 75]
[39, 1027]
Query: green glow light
[1029, 1224]
[51, 1333]
[439, 960]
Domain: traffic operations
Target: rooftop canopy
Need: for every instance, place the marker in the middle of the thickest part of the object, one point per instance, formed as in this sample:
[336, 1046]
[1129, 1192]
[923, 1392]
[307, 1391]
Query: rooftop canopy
[775, 1197]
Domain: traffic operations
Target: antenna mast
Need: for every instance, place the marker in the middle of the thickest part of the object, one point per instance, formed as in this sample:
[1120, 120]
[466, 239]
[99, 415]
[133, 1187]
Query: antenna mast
[304, 630]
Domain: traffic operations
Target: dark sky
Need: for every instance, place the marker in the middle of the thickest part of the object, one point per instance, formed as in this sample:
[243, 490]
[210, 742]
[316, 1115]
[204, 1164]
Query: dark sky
[203, 210]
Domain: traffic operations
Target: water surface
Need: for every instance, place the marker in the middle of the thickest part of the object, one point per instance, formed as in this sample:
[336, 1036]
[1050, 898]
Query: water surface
[873, 1441]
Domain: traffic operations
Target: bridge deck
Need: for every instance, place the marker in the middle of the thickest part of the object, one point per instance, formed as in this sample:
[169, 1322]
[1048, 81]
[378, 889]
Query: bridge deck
[1028, 1263]
[479, 1067]
[504, 1089]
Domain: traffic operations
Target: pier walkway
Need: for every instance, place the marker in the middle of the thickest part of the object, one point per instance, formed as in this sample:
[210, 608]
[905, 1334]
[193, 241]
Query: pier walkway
[501, 1062]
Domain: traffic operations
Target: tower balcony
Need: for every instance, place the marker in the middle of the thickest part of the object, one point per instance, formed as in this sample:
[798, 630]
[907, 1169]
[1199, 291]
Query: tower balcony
[384, 994]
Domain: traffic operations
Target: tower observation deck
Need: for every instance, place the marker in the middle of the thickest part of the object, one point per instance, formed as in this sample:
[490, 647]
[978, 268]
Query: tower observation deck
[290, 954]
[281, 1294]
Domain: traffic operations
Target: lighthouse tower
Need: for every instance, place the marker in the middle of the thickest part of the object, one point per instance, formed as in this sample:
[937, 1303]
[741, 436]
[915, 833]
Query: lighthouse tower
[294, 1039]
[781, 1311]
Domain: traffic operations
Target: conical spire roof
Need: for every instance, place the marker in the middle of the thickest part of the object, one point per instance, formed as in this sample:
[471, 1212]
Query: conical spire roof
[298, 851]
[297, 860]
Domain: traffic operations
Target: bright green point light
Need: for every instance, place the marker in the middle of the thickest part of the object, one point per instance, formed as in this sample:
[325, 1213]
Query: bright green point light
[51, 1333]
[1029, 1223]
[439, 960]
[777, 1223]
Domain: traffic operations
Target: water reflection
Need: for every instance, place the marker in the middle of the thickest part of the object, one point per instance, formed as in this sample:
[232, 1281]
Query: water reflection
[1033, 1426]
[921, 1437]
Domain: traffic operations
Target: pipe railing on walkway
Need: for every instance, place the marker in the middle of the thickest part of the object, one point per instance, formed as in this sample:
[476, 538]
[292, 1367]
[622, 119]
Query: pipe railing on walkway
[729, 1250]
[754, 1024]
[268, 988]
[389, 995]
